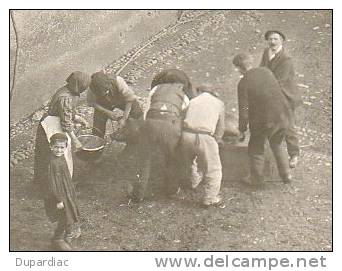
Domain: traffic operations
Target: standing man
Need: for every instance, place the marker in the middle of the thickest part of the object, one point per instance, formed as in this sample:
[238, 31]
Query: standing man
[276, 59]
[203, 128]
[162, 129]
[265, 109]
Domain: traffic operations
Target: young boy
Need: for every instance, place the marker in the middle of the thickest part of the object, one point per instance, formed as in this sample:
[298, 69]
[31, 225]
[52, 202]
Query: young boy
[59, 195]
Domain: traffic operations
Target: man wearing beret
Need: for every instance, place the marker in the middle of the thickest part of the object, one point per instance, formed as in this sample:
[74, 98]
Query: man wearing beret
[276, 59]
[264, 109]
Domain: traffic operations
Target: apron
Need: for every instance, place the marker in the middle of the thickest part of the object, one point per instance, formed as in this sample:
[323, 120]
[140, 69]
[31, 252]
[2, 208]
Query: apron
[51, 126]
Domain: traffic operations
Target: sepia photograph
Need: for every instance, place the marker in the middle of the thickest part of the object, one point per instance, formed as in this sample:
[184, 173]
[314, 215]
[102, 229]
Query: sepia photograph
[170, 130]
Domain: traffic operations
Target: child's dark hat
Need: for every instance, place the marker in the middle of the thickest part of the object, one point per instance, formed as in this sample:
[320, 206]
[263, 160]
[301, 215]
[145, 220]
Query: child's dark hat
[58, 137]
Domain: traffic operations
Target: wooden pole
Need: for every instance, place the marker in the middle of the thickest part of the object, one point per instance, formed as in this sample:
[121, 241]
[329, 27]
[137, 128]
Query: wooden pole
[16, 55]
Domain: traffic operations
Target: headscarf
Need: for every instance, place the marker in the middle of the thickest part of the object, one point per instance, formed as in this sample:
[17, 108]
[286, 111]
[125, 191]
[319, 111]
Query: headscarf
[170, 76]
[78, 82]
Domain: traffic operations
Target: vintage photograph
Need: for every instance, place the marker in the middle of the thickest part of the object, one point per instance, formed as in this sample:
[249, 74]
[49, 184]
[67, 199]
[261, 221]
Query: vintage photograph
[170, 130]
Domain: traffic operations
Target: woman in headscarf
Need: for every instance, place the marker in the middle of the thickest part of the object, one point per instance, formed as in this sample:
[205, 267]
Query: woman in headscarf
[60, 118]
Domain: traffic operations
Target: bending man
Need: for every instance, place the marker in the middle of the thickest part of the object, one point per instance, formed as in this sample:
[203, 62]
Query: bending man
[264, 107]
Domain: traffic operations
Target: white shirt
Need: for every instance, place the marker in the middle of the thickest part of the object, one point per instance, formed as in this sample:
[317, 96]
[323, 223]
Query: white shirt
[205, 113]
[271, 53]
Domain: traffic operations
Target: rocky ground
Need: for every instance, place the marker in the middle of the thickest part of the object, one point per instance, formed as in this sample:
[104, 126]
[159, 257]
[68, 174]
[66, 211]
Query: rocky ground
[278, 217]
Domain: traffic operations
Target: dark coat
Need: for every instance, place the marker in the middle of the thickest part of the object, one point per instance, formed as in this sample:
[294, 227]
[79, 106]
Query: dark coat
[262, 103]
[59, 188]
[282, 67]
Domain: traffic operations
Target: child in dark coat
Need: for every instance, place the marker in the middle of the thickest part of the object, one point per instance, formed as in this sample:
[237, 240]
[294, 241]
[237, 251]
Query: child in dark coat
[60, 197]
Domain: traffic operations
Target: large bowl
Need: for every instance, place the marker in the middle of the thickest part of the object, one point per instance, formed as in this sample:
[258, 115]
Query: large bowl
[92, 147]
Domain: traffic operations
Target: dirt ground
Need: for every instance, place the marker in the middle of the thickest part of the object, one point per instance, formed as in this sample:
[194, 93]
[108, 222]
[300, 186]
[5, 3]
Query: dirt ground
[279, 217]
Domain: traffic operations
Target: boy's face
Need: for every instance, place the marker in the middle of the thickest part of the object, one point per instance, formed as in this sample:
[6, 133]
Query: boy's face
[58, 148]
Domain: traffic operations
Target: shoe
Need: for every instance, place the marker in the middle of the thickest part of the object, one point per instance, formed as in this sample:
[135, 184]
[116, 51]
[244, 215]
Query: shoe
[73, 235]
[218, 203]
[293, 161]
[248, 180]
[287, 179]
[62, 245]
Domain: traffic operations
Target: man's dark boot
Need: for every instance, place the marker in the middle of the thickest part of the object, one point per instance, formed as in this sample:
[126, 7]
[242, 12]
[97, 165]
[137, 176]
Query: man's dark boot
[137, 193]
[287, 178]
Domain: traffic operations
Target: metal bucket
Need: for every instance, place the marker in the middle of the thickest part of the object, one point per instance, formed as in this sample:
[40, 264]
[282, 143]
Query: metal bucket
[92, 147]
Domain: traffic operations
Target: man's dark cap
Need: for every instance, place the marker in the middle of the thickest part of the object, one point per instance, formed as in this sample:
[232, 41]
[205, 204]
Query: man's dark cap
[270, 32]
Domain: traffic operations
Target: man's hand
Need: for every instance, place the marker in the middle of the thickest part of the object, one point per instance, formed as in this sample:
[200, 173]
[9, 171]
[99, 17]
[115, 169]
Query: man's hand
[78, 144]
[220, 142]
[60, 205]
[112, 115]
[85, 123]
[82, 121]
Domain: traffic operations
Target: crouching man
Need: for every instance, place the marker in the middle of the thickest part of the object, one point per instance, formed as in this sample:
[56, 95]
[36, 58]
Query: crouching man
[162, 129]
[108, 92]
[203, 128]
[264, 107]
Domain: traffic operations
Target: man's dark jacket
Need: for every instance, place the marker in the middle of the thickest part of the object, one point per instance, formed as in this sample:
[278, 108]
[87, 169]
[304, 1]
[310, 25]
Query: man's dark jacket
[262, 103]
[282, 67]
